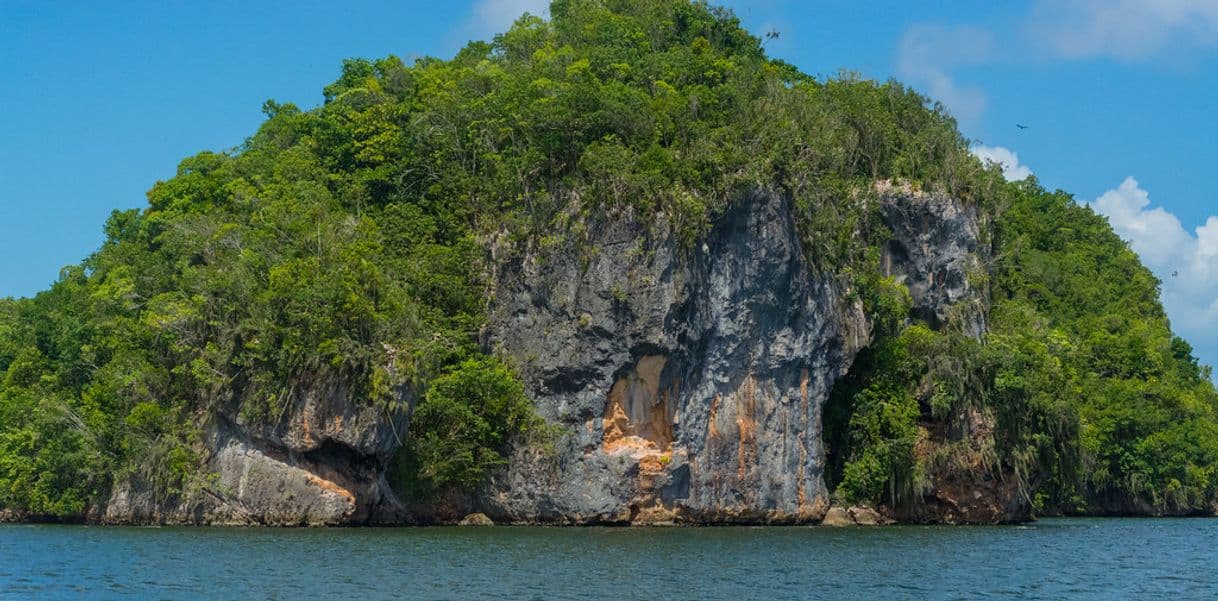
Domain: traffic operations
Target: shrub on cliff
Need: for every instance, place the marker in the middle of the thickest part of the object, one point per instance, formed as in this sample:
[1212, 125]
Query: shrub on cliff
[461, 428]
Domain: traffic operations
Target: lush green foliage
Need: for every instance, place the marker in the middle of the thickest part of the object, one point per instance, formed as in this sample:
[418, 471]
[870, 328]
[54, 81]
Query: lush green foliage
[1077, 321]
[1097, 406]
[338, 241]
[462, 426]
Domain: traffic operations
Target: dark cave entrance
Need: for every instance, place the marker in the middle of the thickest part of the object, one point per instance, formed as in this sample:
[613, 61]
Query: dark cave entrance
[835, 419]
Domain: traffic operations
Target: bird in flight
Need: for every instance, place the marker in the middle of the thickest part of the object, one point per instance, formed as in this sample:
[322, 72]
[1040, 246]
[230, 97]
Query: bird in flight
[1175, 274]
[1021, 126]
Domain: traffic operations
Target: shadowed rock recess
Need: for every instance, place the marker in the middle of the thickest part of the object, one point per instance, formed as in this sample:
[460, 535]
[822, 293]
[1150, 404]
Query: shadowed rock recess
[323, 465]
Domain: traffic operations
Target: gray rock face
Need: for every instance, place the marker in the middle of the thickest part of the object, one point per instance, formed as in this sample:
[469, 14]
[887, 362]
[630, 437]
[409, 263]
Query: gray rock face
[330, 415]
[690, 385]
[687, 383]
[935, 250]
[322, 464]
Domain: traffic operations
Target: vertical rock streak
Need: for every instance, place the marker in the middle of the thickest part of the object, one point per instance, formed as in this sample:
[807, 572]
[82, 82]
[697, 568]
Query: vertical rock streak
[736, 343]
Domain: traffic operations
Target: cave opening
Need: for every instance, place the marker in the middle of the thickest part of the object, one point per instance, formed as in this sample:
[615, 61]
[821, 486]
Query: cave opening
[835, 419]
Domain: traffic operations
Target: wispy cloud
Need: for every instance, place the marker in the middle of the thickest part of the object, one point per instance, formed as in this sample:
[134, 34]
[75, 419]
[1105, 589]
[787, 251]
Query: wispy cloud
[1187, 263]
[490, 17]
[929, 53]
[1123, 29]
[1012, 169]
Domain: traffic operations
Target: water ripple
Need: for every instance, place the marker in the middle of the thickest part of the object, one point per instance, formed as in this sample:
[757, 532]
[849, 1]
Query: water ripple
[1054, 559]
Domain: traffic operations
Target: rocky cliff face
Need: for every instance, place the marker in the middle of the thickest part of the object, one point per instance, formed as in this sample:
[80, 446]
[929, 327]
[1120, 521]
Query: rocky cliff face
[322, 464]
[686, 385]
[936, 251]
[689, 383]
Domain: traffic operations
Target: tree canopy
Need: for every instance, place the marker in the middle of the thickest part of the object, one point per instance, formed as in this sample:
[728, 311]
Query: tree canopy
[336, 235]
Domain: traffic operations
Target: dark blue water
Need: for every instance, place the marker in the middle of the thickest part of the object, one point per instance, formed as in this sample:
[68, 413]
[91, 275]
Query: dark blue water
[1053, 559]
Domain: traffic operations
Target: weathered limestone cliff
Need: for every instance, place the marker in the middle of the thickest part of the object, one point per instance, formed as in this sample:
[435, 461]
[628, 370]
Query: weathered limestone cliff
[323, 464]
[936, 250]
[689, 385]
[936, 246]
[686, 385]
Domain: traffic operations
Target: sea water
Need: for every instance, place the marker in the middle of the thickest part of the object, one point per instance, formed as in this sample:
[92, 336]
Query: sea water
[1051, 559]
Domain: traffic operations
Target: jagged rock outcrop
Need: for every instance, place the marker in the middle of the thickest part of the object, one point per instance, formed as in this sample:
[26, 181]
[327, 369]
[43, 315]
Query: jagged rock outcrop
[967, 485]
[322, 463]
[689, 381]
[686, 383]
[936, 250]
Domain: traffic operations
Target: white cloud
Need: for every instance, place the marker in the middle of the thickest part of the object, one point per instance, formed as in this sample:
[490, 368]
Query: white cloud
[1012, 169]
[928, 54]
[1187, 263]
[1155, 234]
[1123, 29]
[491, 17]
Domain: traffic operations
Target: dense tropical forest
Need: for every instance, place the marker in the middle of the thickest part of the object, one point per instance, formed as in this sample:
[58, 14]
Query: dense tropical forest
[338, 237]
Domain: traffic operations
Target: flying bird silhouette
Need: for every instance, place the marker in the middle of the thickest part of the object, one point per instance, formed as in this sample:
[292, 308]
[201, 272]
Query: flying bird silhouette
[1020, 126]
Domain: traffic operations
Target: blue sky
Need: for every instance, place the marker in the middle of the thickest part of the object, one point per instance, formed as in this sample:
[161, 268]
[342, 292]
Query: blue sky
[99, 100]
